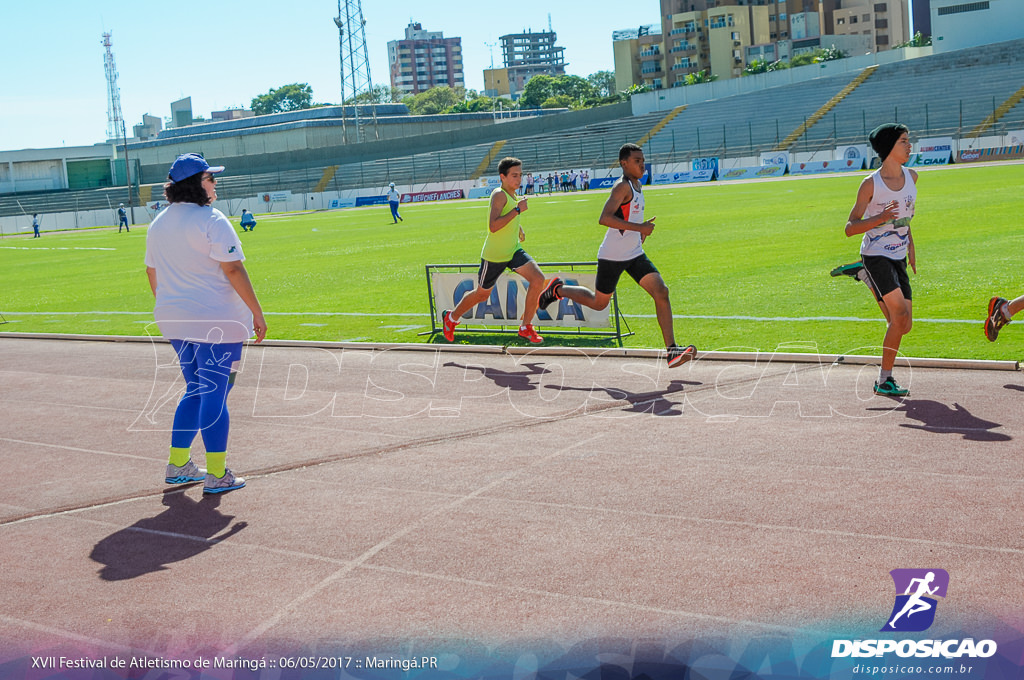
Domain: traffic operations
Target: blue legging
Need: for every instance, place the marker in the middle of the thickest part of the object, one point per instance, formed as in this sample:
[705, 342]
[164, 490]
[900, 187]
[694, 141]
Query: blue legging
[394, 210]
[206, 368]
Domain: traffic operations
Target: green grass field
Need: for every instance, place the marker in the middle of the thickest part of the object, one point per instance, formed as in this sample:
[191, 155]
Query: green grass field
[725, 249]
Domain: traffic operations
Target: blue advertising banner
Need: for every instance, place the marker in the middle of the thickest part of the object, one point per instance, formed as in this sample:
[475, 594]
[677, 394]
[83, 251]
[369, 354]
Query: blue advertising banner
[706, 163]
[682, 177]
[372, 200]
[753, 173]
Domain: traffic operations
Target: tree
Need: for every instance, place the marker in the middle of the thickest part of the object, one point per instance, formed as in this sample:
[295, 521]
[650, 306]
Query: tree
[285, 98]
[603, 83]
[435, 100]
[537, 90]
[700, 77]
[764, 66]
[918, 40]
[378, 94]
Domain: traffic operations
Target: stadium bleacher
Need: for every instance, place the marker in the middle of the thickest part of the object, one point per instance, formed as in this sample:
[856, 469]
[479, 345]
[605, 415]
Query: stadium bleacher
[946, 94]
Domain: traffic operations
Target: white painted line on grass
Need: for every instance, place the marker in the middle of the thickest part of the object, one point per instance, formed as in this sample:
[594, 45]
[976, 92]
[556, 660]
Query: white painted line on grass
[710, 317]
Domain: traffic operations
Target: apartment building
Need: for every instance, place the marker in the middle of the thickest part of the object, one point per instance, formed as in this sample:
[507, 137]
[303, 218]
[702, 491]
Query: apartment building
[425, 59]
[887, 21]
[639, 57]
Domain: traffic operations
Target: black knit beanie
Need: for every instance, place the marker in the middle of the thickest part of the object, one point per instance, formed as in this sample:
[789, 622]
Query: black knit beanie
[885, 136]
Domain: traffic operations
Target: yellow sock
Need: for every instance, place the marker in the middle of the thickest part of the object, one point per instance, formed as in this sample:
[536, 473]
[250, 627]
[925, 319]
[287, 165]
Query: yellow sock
[215, 463]
[179, 456]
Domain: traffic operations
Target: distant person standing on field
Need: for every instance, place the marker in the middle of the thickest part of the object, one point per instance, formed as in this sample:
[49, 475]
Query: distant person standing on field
[393, 200]
[122, 219]
[206, 308]
[35, 224]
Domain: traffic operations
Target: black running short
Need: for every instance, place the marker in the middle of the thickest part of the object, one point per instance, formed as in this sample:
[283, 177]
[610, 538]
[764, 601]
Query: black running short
[886, 275]
[489, 271]
[609, 271]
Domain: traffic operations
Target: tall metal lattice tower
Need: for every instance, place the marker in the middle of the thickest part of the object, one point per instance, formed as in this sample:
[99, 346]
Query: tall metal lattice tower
[115, 121]
[355, 61]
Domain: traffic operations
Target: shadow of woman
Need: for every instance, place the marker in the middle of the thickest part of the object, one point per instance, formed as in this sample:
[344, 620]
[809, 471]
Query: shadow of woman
[182, 531]
[942, 419]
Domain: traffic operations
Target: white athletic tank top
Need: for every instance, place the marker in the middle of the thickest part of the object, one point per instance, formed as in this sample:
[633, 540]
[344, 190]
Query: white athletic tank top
[892, 238]
[621, 245]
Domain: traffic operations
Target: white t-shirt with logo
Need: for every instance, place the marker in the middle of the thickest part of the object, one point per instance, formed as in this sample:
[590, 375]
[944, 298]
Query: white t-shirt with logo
[186, 245]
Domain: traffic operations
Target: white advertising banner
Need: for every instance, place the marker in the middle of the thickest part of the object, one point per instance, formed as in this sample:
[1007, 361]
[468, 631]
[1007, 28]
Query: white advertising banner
[775, 158]
[508, 298]
[1016, 137]
[853, 152]
[935, 145]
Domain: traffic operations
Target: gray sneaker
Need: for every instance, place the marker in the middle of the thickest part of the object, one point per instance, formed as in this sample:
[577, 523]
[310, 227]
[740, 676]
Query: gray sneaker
[221, 484]
[183, 474]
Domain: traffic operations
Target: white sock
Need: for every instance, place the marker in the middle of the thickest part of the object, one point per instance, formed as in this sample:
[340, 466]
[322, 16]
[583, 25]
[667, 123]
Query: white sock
[1006, 310]
[452, 317]
[883, 375]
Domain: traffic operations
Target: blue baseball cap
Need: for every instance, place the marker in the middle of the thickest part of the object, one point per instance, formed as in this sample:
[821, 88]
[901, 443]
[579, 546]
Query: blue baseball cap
[189, 164]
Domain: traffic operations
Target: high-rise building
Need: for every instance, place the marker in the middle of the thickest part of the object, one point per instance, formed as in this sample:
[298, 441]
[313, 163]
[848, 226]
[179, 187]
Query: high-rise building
[639, 57]
[425, 59]
[530, 54]
[958, 24]
[922, 17]
[887, 21]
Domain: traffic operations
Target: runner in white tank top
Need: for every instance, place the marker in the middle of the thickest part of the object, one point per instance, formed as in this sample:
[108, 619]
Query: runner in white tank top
[622, 252]
[892, 237]
[885, 204]
[621, 245]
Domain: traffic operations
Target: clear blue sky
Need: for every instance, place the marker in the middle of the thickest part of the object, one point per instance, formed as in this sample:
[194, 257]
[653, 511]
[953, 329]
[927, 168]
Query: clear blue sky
[225, 52]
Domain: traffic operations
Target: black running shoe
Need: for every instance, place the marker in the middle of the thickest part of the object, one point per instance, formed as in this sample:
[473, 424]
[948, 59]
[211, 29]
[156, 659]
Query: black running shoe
[549, 294]
[677, 356]
[996, 319]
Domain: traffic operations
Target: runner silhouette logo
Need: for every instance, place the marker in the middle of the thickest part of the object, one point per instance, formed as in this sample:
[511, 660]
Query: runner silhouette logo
[916, 593]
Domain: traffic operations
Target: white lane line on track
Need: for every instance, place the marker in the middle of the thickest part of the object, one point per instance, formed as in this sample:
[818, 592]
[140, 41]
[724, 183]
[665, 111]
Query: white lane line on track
[359, 561]
[710, 317]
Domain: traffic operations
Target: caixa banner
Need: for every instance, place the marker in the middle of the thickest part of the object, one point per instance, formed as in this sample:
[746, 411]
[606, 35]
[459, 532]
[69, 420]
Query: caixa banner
[508, 299]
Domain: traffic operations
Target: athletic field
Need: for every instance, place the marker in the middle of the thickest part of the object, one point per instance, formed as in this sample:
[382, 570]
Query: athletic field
[747, 264]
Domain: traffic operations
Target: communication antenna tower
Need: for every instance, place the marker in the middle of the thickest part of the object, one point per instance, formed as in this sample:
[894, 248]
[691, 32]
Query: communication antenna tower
[355, 61]
[115, 121]
[114, 118]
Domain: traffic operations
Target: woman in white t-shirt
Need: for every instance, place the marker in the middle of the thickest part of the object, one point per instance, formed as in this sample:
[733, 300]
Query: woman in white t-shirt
[206, 307]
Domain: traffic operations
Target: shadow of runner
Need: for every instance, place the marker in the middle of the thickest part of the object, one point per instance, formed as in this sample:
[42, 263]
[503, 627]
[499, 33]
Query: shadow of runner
[653, 402]
[1019, 388]
[182, 531]
[942, 419]
[518, 381]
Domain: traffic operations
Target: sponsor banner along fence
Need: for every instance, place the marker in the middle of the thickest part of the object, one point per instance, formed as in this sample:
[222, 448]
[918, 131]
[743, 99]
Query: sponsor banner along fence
[423, 196]
[853, 151]
[680, 177]
[1003, 153]
[371, 200]
[479, 192]
[753, 173]
[935, 145]
[706, 163]
[918, 160]
[774, 158]
[822, 167]
[336, 203]
[508, 298]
